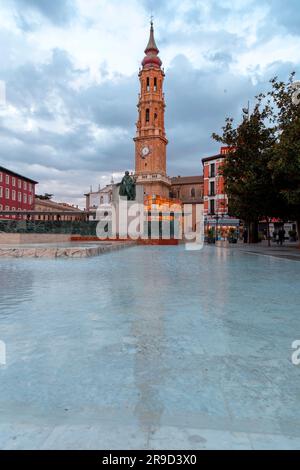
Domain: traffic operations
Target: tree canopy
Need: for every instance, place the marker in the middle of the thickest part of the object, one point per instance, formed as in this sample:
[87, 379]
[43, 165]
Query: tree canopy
[262, 170]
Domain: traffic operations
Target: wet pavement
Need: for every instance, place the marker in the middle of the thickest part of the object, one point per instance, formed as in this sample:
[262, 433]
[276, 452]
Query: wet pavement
[152, 347]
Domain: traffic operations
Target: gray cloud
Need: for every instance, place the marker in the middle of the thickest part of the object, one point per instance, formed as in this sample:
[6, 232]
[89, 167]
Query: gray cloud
[197, 103]
[286, 13]
[83, 132]
[44, 92]
[58, 12]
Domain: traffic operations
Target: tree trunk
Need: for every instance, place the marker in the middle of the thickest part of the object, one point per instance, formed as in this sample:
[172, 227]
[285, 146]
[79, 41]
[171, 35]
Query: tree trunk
[298, 231]
[268, 231]
[253, 232]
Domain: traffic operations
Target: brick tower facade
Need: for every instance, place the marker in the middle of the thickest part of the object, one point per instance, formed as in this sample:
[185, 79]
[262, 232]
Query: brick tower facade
[150, 140]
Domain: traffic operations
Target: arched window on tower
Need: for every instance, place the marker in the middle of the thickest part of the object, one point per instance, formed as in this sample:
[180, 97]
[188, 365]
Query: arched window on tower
[147, 115]
[155, 83]
[193, 192]
[148, 84]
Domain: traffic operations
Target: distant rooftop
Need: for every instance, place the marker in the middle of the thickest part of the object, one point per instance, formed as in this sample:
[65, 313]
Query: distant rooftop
[56, 205]
[197, 179]
[213, 157]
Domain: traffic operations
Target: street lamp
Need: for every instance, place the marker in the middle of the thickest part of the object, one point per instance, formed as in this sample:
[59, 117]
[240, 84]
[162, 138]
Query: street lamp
[217, 220]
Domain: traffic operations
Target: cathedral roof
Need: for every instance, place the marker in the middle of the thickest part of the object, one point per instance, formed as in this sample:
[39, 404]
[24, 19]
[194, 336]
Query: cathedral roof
[187, 179]
[151, 51]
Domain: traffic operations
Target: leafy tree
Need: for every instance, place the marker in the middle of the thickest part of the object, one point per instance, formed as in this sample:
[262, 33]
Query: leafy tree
[285, 157]
[249, 183]
[45, 197]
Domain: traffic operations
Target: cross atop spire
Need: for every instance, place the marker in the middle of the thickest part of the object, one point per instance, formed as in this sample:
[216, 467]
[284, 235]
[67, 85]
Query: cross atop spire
[151, 46]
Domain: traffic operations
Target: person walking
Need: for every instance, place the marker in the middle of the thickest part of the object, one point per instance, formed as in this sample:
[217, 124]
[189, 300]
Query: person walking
[281, 236]
[245, 236]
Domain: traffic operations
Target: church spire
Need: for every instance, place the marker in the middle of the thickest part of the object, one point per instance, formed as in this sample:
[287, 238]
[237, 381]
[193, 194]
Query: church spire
[151, 50]
[151, 46]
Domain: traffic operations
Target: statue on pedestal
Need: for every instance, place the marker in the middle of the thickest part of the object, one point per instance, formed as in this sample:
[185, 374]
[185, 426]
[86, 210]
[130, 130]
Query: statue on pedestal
[127, 187]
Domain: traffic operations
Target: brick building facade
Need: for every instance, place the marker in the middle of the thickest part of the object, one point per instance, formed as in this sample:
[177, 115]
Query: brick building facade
[189, 189]
[17, 192]
[215, 197]
[59, 211]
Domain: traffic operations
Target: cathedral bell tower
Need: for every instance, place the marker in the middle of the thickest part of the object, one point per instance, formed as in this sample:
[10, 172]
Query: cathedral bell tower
[150, 140]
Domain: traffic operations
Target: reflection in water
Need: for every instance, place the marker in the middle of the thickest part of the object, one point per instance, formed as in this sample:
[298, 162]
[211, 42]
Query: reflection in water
[149, 331]
[218, 278]
[16, 284]
[141, 294]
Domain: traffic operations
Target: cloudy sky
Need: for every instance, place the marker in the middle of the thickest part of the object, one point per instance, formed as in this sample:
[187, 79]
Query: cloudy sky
[70, 69]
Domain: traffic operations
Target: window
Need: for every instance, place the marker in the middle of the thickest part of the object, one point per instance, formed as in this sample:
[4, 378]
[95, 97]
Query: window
[212, 170]
[7, 179]
[25, 185]
[193, 192]
[147, 115]
[30, 187]
[13, 195]
[148, 84]
[30, 200]
[212, 206]
[1, 191]
[155, 83]
[212, 188]
[7, 193]
[19, 184]
[14, 181]
[1, 177]
[19, 197]
[25, 198]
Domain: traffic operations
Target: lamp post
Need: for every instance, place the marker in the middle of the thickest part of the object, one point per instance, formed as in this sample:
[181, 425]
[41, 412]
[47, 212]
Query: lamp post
[217, 219]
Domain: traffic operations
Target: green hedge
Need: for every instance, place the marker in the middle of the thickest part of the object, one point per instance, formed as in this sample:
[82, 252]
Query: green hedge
[48, 226]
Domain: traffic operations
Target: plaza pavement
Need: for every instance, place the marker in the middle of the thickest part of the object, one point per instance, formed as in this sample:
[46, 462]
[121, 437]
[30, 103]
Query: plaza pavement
[290, 251]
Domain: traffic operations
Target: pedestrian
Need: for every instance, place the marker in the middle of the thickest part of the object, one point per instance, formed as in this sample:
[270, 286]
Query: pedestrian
[265, 234]
[245, 236]
[281, 236]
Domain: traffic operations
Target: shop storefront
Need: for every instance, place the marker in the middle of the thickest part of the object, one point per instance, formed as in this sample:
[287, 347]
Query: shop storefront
[223, 228]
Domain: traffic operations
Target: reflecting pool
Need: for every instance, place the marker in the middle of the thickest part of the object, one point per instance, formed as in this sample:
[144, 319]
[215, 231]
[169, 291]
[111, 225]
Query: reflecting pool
[150, 347]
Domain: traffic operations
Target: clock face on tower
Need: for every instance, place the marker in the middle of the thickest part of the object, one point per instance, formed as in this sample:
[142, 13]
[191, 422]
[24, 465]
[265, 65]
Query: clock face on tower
[145, 151]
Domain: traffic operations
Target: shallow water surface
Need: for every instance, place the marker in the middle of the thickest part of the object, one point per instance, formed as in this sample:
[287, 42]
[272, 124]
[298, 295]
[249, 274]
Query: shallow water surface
[150, 347]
